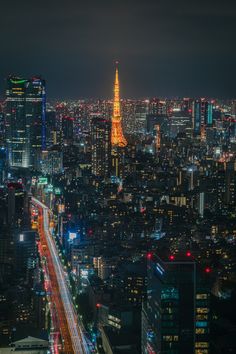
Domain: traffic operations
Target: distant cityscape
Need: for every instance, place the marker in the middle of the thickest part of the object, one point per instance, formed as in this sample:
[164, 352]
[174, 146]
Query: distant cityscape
[117, 223]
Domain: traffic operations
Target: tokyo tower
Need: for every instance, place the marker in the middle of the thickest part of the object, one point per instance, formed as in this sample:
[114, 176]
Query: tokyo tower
[117, 136]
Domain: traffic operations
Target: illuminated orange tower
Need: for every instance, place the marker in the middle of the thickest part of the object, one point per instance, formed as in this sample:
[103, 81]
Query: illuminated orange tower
[117, 136]
[158, 137]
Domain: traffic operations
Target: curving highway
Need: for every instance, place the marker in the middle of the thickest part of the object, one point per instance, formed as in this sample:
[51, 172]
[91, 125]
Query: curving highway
[77, 337]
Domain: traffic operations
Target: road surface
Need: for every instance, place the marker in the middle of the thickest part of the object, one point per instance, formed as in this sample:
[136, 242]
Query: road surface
[76, 343]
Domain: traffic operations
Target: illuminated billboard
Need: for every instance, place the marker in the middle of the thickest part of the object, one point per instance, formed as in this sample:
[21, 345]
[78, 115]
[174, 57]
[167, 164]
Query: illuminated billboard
[61, 208]
[43, 181]
[50, 188]
[57, 191]
[72, 236]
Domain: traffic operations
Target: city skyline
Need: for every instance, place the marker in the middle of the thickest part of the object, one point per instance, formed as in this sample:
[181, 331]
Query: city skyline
[165, 49]
[118, 177]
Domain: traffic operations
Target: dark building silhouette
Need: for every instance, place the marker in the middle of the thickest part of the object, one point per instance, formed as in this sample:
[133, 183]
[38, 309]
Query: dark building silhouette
[176, 316]
[101, 146]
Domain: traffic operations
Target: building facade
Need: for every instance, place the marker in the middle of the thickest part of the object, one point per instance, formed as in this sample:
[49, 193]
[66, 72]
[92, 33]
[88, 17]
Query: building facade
[175, 317]
[25, 120]
[101, 146]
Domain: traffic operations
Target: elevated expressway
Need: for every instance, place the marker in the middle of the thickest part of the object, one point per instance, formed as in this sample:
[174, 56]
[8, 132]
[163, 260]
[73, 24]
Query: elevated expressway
[73, 339]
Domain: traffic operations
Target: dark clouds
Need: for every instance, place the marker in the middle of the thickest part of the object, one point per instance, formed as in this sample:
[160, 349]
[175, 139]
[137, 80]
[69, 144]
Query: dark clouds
[166, 47]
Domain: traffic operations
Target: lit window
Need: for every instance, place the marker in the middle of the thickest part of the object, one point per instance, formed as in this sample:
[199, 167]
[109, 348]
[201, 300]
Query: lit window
[202, 310]
[200, 331]
[201, 296]
[167, 338]
[201, 324]
[201, 344]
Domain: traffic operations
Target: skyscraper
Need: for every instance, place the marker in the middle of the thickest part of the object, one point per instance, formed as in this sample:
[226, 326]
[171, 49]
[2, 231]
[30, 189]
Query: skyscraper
[101, 146]
[51, 128]
[197, 119]
[117, 136]
[25, 120]
[36, 112]
[202, 115]
[176, 316]
[2, 164]
[141, 111]
[67, 130]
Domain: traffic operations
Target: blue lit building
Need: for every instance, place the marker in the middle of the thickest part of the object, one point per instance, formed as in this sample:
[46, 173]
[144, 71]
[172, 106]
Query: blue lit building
[176, 316]
[202, 115]
[197, 117]
[209, 114]
[25, 120]
[2, 164]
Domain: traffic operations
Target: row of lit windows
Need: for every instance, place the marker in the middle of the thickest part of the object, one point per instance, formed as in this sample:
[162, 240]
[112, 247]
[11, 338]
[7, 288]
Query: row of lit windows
[114, 324]
[202, 296]
[170, 338]
[134, 291]
[201, 345]
[202, 310]
[202, 324]
[201, 331]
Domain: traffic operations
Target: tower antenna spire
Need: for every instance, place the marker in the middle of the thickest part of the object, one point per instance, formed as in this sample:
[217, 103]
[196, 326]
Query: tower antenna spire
[117, 136]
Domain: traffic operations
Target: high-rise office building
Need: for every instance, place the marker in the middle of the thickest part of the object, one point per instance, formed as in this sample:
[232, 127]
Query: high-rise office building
[3, 159]
[141, 111]
[17, 202]
[202, 114]
[151, 121]
[101, 146]
[176, 315]
[209, 114]
[52, 131]
[26, 250]
[2, 126]
[197, 118]
[25, 120]
[67, 130]
[6, 241]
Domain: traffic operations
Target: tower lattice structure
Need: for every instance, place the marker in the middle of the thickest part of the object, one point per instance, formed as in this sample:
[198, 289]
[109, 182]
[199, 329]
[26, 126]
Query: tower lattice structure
[117, 136]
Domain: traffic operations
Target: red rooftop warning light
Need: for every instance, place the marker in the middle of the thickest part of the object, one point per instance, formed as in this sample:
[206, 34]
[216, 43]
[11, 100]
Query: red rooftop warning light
[149, 255]
[208, 270]
[188, 254]
[172, 258]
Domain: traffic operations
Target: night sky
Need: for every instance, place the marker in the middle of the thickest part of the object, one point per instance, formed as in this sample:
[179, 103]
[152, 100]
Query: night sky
[165, 47]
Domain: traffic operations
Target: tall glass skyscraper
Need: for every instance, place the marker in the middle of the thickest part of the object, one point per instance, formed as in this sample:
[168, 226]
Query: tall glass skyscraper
[25, 120]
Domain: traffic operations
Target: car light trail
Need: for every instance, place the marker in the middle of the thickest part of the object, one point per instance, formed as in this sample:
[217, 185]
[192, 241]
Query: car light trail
[77, 338]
